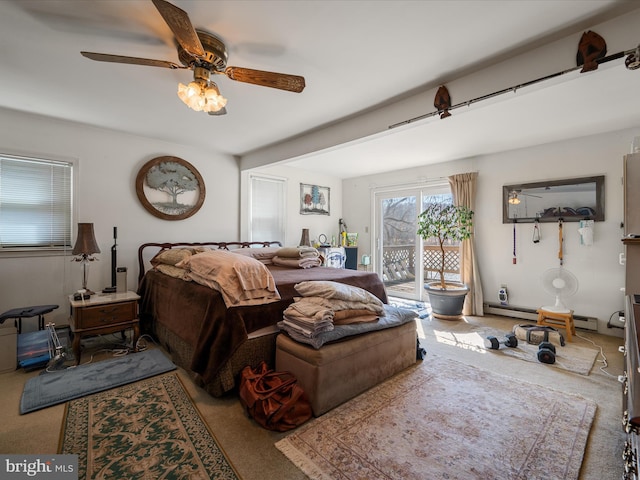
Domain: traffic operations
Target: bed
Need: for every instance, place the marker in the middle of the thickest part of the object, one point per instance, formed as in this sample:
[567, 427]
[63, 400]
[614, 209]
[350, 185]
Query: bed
[214, 342]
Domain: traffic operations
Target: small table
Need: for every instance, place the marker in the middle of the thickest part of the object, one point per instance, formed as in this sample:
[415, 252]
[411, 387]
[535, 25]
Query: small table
[27, 312]
[103, 313]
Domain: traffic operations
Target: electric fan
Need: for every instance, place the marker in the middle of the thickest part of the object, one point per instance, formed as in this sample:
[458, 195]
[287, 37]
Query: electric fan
[561, 283]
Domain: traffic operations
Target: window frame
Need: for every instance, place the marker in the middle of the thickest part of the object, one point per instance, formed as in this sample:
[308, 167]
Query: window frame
[46, 251]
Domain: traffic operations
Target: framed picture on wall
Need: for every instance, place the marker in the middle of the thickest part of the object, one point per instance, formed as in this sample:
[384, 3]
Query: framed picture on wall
[314, 200]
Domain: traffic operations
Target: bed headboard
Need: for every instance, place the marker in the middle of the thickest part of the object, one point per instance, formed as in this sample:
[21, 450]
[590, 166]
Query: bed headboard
[147, 251]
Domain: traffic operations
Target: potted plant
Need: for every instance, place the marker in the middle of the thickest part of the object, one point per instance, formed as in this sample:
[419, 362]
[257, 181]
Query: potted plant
[445, 222]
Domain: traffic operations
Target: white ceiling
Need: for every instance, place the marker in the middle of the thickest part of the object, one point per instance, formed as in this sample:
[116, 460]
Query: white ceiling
[354, 55]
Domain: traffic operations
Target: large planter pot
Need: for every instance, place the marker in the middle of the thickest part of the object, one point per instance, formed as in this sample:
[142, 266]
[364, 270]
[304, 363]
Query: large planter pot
[446, 303]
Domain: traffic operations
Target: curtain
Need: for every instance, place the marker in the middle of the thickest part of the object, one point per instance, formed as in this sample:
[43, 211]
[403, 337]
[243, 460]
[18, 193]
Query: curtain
[463, 189]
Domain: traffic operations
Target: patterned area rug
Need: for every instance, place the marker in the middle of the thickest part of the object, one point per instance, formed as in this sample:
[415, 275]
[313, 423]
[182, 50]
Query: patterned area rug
[149, 429]
[446, 420]
[572, 357]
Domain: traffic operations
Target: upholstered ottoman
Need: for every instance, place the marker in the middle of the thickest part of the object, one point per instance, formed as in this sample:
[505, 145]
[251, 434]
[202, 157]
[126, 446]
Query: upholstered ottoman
[339, 371]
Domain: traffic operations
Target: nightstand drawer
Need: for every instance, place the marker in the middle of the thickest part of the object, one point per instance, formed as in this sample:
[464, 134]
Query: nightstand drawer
[103, 315]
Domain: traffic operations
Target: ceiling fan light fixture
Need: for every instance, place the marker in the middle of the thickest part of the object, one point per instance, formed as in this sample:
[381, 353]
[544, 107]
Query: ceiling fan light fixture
[201, 96]
[214, 101]
[514, 200]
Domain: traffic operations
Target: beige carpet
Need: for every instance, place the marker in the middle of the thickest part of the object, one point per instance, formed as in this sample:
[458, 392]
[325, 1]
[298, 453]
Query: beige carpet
[251, 448]
[149, 429]
[447, 420]
[572, 357]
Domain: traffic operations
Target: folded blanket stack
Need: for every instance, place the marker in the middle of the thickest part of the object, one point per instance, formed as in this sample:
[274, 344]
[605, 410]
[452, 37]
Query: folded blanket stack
[324, 304]
[308, 319]
[297, 257]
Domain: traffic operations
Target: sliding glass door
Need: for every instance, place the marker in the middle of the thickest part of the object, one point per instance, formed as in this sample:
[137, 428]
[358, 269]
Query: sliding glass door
[397, 241]
[402, 259]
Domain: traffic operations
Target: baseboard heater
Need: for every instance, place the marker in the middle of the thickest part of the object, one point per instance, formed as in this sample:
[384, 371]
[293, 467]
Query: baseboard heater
[580, 321]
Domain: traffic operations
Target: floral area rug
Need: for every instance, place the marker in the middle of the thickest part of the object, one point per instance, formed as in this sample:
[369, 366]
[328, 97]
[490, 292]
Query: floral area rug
[446, 420]
[145, 430]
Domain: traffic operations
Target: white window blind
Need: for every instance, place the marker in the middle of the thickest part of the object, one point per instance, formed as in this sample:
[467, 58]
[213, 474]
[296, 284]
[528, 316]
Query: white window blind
[35, 203]
[267, 216]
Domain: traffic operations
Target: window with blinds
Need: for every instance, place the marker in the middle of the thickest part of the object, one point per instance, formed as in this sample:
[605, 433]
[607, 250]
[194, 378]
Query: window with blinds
[267, 209]
[35, 203]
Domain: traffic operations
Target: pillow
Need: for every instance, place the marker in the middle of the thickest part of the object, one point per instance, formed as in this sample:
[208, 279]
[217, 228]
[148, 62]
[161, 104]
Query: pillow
[171, 256]
[263, 254]
[173, 271]
[336, 290]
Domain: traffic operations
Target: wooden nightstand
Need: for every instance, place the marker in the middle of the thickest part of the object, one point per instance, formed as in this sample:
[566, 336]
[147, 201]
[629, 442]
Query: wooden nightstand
[103, 313]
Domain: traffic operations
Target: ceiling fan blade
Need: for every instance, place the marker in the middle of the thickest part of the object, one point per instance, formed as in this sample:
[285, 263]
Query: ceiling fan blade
[181, 26]
[222, 111]
[282, 81]
[105, 57]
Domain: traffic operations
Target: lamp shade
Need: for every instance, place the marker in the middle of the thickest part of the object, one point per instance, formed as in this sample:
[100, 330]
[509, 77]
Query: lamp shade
[86, 242]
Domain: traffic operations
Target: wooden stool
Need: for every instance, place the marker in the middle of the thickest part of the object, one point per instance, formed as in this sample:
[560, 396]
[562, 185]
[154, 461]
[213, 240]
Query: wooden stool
[557, 320]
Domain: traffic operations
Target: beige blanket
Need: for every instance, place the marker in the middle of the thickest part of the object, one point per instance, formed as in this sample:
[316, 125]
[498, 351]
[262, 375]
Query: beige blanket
[338, 305]
[308, 319]
[304, 329]
[311, 313]
[297, 252]
[299, 262]
[241, 280]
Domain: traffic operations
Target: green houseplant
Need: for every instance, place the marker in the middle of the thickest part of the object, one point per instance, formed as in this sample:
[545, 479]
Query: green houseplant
[445, 222]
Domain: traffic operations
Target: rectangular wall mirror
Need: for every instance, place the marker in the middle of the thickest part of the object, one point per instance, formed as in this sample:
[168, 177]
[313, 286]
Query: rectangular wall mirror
[571, 200]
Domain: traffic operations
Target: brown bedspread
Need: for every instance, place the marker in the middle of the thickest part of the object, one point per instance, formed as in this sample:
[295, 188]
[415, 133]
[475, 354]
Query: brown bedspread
[198, 315]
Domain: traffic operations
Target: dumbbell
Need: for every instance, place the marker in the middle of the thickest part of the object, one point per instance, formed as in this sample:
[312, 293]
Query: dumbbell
[547, 352]
[494, 344]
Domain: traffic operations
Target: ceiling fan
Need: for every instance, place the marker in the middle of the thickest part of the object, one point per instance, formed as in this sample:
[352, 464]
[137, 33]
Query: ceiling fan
[205, 54]
[514, 196]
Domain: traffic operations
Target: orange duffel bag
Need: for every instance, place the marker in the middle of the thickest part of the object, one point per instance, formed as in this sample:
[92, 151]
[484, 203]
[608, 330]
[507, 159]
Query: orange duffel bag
[273, 399]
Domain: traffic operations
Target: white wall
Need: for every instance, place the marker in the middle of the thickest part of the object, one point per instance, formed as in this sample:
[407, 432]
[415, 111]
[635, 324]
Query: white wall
[107, 165]
[317, 224]
[599, 274]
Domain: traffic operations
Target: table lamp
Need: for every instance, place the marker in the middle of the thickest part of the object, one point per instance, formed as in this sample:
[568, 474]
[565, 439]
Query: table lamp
[85, 247]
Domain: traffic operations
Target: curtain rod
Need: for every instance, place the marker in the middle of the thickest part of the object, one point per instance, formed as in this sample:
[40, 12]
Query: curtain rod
[513, 89]
[422, 182]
